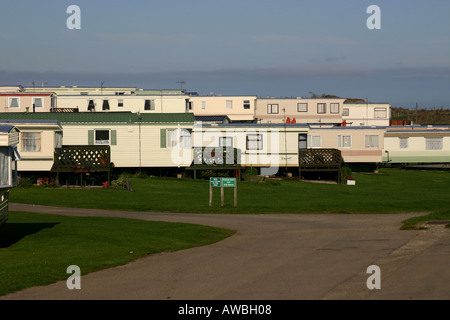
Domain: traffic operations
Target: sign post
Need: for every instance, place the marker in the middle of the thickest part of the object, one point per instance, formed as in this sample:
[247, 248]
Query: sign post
[213, 182]
[222, 183]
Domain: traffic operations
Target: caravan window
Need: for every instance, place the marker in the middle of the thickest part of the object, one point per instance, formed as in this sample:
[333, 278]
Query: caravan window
[403, 143]
[315, 141]
[31, 141]
[372, 141]
[149, 105]
[302, 141]
[226, 142]
[254, 142]
[185, 138]
[58, 139]
[334, 107]
[105, 105]
[302, 107]
[434, 143]
[102, 137]
[38, 103]
[171, 138]
[321, 108]
[380, 113]
[91, 105]
[344, 141]
[272, 108]
[14, 103]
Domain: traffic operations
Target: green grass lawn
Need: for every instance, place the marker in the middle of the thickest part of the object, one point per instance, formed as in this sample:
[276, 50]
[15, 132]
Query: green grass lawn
[390, 191]
[36, 249]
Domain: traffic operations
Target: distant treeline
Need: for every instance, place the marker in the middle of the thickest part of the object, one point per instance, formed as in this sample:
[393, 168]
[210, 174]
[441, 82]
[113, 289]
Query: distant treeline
[422, 116]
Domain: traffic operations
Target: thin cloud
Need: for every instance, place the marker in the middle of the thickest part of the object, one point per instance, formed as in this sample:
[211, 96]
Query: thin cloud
[142, 36]
[271, 38]
[304, 40]
[131, 36]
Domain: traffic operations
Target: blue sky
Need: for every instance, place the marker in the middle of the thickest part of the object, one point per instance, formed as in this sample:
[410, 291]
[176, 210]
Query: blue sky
[276, 48]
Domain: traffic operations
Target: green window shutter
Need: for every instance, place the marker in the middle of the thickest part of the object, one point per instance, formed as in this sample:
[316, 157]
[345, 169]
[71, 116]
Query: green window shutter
[114, 137]
[90, 137]
[163, 138]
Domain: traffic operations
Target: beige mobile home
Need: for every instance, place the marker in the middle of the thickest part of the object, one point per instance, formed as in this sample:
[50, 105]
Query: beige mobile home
[9, 136]
[26, 102]
[357, 144]
[136, 140]
[37, 142]
[316, 110]
[366, 114]
[417, 144]
[75, 90]
[237, 108]
[142, 103]
[268, 146]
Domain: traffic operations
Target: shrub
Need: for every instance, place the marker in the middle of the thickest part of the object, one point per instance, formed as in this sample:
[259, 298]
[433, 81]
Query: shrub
[250, 171]
[346, 174]
[123, 182]
[46, 182]
[25, 182]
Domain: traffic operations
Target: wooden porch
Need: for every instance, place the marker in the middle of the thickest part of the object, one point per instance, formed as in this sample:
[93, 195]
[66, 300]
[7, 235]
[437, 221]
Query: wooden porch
[320, 160]
[82, 159]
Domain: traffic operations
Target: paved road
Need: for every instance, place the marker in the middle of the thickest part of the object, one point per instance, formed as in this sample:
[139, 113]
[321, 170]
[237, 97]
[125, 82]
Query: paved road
[277, 257]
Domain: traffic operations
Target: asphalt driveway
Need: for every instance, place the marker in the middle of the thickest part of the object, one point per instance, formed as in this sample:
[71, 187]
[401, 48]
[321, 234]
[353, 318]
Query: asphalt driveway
[276, 257]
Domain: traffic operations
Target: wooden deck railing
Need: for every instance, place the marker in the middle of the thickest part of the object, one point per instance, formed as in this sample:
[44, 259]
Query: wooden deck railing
[82, 159]
[64, 110]
[319, 158]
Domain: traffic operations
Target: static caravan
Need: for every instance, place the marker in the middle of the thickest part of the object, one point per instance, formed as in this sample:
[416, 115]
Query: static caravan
[142, 103]
[76, 90]
[357, 144]
[276, 146]
[299, 110]
[27, 102]
[266, 146]
[135, 140]
[9, 138]
[417, 144]
[366, 114]
[37, 142]
[237, 108]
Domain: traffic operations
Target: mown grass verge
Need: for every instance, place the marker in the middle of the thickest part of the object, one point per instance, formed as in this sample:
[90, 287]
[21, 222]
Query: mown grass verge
[417, 222]
[36, 249]
[389, 191]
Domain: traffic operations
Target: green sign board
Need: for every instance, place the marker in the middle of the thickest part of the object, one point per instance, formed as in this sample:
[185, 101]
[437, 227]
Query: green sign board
[215, 182]
[229, 182]
[222, 182]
